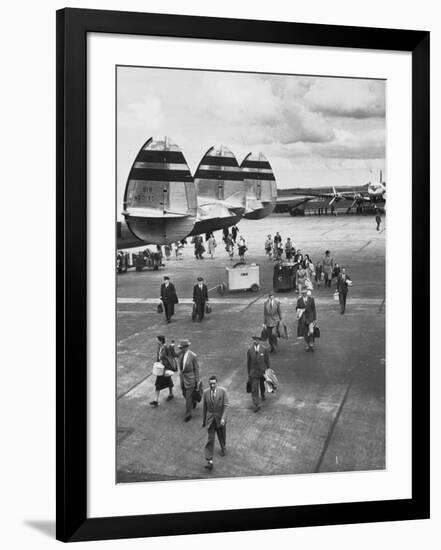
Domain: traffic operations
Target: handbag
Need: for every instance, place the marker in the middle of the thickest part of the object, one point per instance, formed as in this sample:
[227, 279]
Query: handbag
[336, 296]
[198, 391]
[248, 387]
[168, 373]
[194, 313]
[264, 334]
[316, 332]
[207, 308]
[160, 309]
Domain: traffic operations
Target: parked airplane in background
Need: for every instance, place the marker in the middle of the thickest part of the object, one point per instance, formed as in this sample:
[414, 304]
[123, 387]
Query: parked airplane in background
[260, 186]
[163, 203]
[295, 200]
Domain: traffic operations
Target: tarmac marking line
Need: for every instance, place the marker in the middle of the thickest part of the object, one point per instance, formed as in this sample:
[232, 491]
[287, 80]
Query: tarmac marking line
[364, 246]
[251, 303]
[334, 423]
[133, 386]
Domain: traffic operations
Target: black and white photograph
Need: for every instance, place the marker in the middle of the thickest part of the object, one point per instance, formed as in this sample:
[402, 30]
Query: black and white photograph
[250, 274]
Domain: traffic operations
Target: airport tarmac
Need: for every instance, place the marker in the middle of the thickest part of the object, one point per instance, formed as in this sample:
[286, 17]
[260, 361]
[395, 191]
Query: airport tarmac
[329, 411]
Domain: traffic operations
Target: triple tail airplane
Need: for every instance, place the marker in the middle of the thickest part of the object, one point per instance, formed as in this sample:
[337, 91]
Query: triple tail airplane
[164, 203]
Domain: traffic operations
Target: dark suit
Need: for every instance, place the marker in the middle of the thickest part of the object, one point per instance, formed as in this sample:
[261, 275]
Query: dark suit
[189, 375]
[169, 298]
[257, 363]
[200, 297]
[305, 326]
[215, 411]
[342, 287]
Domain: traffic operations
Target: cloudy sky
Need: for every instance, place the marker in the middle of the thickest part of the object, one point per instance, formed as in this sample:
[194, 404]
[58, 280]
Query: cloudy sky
[314, 130]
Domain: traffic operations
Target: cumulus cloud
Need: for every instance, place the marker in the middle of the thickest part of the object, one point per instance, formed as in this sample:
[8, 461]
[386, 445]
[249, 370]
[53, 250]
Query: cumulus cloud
[347, 97]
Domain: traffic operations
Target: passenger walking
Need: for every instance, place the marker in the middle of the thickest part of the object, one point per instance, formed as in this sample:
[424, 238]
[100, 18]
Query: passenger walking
[189, 376]
[200, 298]
[257, 363]
[229, 246]
[199, 248]
[269, 247]
[178, 250]
[242, 249]
[301, 278]
[166, 355]
[378, 220]
[328, 267]
[168, 298]
[289, 249]
[234, 232]
[214, 417]
[211, 243]
[307, 318]
[343, 282]
[319, 275]
[272, 315]
[277, 238]
[167, 251]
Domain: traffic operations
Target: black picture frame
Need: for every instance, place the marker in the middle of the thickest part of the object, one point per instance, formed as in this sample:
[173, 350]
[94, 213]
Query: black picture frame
[71, 429]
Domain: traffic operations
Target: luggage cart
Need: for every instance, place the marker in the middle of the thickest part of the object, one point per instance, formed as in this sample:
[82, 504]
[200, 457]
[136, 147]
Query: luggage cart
[241, 277]
[284, 276]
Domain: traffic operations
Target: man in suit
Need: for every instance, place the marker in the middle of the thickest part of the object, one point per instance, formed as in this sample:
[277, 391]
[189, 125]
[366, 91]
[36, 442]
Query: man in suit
[215, 405]
[257, 363]
[188, 374]
[307, 318]
[200, 298]
[272, 315]
[169, 298]
[343, 281]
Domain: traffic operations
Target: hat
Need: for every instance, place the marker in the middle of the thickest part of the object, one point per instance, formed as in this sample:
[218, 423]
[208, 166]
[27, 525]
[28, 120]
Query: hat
[256, 338]
[304, 289]
[166, 277]
[184, 344]
[200, 278]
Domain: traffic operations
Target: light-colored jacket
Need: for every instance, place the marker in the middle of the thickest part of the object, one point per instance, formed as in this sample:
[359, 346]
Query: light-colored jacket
[189, 370]
[271, 313]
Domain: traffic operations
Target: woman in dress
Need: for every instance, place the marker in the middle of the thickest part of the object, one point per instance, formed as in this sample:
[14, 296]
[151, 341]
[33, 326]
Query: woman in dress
[211, 244]
[166, 355]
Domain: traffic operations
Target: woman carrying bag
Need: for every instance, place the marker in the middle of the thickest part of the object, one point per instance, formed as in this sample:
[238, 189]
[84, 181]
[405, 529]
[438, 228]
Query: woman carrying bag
[166, 356]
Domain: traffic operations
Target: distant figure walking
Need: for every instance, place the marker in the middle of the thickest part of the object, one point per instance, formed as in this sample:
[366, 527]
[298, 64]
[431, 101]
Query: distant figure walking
[272, 315]
[229, 246]
[200, 298]
[257, 363]
[211, 243]
[328, 267]
[214, 416]
[378, 220]
[242, 247]
[343, 282]
[189, 375]
[289, 249]
[307, 318]
[166, 355]
[168, 298]
[234, 232]
[269, 247]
